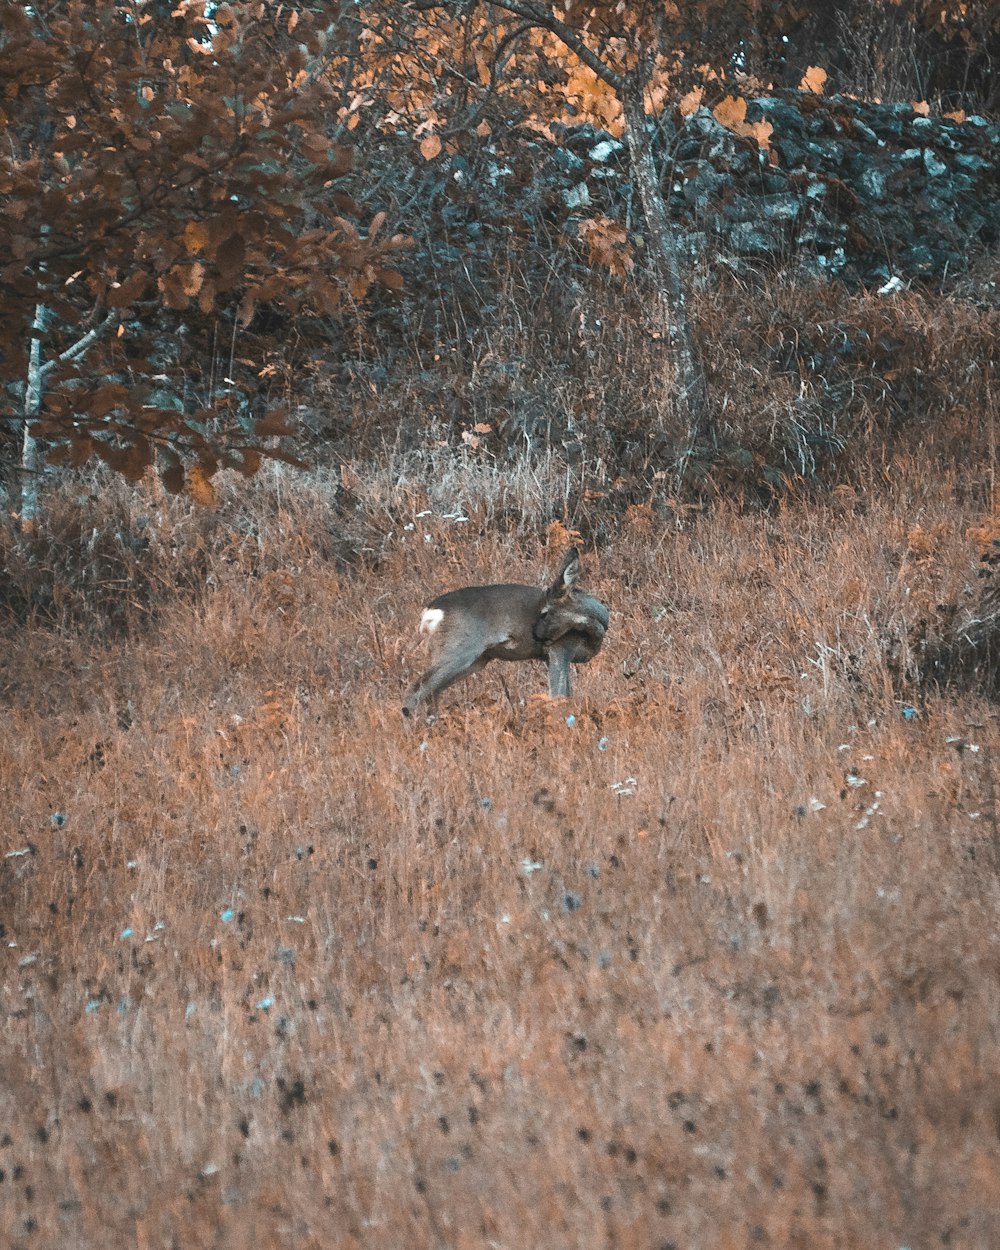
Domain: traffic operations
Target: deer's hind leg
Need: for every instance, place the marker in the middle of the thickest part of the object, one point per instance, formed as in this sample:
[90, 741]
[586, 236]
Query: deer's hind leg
[453, 663]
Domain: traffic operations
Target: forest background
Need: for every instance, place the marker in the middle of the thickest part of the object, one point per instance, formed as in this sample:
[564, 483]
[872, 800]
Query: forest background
[295, 335]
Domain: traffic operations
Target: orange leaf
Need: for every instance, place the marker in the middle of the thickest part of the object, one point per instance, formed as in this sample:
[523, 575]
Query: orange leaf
[195, 237]
[814, 80]
[608, 244]
[390, 279]
[731, 111]
[430, 147]
[202, 490]
[761, 131]
[691, 102]
[193, 278]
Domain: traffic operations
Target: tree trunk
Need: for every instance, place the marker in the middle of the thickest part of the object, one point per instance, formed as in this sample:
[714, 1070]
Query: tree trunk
[663, 249]
[30, 452]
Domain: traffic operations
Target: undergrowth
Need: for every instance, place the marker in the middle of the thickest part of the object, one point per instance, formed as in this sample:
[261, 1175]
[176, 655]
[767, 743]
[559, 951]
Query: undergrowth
[702, 957]
[811, 385]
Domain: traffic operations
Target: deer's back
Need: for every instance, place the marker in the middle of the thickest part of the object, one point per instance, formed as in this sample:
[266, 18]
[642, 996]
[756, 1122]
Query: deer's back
[497, 619]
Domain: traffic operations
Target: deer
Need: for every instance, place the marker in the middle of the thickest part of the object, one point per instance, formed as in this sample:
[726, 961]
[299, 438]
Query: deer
[468, 627]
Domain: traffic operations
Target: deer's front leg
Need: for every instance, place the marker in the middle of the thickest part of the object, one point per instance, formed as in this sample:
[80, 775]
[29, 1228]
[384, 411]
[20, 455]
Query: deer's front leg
[559, 656]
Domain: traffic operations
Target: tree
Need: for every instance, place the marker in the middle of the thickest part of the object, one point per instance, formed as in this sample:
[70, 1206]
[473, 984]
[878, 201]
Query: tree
[623, 65]
[165, 166]
[644, 54]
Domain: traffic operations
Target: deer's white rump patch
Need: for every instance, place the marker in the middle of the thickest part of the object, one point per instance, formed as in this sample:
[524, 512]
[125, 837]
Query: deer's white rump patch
[430, 620]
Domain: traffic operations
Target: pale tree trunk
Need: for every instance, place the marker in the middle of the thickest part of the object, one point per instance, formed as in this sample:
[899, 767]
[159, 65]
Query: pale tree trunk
[34, 383]
[30, 457]
[39, 369]
[34, 388]
[693, 394]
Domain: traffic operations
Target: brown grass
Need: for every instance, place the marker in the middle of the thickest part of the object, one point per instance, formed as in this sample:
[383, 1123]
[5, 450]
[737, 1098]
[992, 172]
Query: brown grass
[714, 964]
[812, 386]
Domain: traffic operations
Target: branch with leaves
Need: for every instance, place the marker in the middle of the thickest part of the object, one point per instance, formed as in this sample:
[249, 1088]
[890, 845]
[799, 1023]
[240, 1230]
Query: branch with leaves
[171, 169]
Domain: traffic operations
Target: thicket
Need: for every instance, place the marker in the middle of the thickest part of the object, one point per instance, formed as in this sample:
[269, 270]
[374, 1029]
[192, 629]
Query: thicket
[205, 213]
[265, 231]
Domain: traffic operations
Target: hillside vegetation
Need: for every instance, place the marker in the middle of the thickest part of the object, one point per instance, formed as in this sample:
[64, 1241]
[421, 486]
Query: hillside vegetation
[703, 957]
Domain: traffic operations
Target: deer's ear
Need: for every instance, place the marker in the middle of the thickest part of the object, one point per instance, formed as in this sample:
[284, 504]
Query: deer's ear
[569, 571]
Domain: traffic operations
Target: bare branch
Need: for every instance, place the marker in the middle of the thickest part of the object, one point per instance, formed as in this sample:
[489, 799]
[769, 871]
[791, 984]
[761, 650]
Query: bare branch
[543, 17]
[546, 19]
[77, 349]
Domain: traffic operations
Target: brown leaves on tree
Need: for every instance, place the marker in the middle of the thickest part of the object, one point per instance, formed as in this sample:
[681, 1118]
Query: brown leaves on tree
[430, 147]
[175, 176]
[173, 170]
[731, 112]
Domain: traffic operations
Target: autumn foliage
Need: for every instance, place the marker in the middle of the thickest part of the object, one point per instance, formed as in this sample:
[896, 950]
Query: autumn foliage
[179, 201]
[705, 957]
[168, 168]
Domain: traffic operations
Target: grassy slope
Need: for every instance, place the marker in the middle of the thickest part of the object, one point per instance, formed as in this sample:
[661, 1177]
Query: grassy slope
[715, 965]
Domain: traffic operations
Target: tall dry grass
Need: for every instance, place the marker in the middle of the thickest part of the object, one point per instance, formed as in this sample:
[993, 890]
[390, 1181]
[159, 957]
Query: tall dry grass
[706, 957]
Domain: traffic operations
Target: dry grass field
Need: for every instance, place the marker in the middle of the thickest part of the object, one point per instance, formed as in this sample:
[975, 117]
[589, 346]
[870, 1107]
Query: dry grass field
[707, 957]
